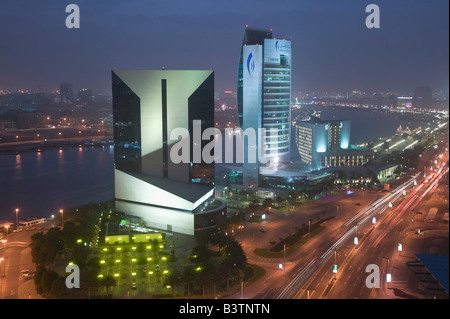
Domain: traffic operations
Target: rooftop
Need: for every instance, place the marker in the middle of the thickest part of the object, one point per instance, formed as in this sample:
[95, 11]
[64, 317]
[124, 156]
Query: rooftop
[188, 191]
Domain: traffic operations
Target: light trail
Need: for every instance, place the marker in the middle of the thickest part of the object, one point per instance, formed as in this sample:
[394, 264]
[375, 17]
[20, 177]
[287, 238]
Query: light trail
[296, 278]
[378, 207]
[383, 200]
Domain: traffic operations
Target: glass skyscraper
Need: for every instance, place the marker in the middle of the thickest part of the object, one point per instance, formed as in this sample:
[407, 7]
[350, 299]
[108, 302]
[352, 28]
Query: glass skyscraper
[148, 107]
[264, 97]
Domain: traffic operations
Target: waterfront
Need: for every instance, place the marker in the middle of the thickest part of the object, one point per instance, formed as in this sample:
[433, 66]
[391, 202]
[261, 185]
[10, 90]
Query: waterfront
[41, 183]
[368, 124]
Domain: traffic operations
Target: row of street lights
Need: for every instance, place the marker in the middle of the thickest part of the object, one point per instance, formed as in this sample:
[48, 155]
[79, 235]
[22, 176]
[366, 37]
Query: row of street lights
[17, 219]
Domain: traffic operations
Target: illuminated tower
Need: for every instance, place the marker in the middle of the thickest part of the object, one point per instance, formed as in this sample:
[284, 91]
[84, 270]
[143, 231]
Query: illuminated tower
[148, 107]
[264, 97]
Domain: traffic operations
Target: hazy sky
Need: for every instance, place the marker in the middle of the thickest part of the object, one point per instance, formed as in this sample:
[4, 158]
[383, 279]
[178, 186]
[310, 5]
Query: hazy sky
[332, 48]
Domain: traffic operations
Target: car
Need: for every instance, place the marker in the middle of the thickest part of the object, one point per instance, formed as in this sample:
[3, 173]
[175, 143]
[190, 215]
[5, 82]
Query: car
[262, 230]
[133, 286]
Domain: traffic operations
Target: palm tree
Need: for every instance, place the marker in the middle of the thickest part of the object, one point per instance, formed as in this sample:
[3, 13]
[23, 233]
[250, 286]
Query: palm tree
[173, 279]
[188, 277]
[90, 281]
[108, 282]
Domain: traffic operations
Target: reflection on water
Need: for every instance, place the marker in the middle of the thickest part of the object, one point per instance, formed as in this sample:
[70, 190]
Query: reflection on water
[43, 182]
[368, 125]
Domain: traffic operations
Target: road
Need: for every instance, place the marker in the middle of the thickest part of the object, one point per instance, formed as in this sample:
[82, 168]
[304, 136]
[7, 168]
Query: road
[378, 245]
[322, 263]
[304, 261]
[16, 255]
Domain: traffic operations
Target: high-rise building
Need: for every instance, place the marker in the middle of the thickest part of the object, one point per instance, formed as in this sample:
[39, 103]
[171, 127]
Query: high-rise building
[423, 97]
[66, 93]
[264, 97]
[85, 96]
[148, 107]
[404, 102]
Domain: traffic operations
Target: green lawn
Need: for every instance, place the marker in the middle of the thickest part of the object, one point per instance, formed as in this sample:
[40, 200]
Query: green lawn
[258, 273]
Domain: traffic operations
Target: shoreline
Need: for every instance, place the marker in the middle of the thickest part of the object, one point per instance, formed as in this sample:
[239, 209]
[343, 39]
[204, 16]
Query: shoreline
[40, 146]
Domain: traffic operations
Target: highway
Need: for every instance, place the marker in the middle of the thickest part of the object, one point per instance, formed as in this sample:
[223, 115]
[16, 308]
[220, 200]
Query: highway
[299, 276]
[378, 244]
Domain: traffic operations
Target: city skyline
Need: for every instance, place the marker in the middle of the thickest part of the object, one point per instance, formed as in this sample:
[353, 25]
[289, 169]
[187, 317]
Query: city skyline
[400, 55]
[143, 157]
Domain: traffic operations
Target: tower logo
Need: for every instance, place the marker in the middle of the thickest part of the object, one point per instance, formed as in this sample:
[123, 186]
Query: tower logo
[282, 46]
[250, 64]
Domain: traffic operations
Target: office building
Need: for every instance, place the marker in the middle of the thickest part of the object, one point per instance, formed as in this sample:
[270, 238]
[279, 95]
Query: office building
[147, 107]
[404, 102]
[85, 96]
[323, 144]
[264, 98]
[66, 93]
[423, 97]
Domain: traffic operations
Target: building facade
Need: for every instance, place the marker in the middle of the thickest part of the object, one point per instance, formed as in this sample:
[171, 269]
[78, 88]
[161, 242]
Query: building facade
[423, 97]
[323, 144]
[153, 111]
[264, 98]
[66, 93]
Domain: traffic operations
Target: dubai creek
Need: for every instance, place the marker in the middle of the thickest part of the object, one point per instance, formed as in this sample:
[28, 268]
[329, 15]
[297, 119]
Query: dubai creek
[41, 183]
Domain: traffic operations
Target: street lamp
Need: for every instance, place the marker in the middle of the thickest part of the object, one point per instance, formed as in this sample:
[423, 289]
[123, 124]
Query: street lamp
[62, 217]
[309, 231]
[388, 279]
[17, 218]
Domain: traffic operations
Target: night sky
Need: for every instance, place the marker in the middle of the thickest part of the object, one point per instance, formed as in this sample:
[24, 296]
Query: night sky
[332, 48]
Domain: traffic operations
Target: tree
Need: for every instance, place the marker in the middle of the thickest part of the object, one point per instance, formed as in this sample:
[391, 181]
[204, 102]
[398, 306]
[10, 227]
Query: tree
[200, 254]
[48, 277]
[173, 279]
[226, 269]
[235, 254]
[291, 198]
[45, 247]
[40, 270]
[205, 276]
[219, 239]
[89, 281]
[108, 282]
[58, 288]
[279, 200]
[188, 277]
[80, 255]
[70, 232]
[267, 202]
